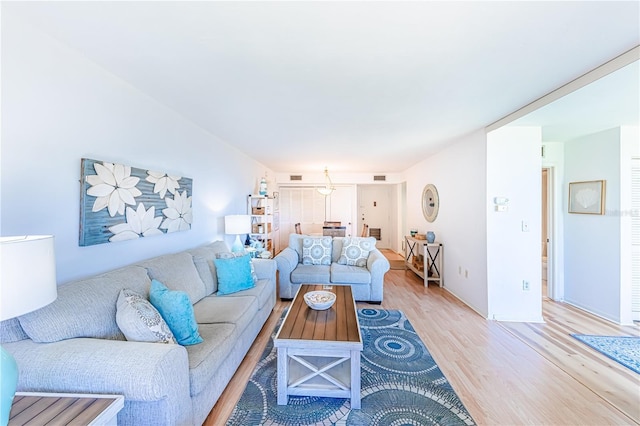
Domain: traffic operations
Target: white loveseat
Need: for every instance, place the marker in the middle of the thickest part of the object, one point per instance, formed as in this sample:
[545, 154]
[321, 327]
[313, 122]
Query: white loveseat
[366, 280]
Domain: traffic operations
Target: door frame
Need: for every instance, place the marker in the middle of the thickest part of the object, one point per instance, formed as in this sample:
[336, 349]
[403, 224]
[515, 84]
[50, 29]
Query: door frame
[551, 231]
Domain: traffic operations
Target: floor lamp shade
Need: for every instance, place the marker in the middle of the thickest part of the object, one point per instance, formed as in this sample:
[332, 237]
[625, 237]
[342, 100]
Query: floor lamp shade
[27, 283]
[237, 224]
[28, 277]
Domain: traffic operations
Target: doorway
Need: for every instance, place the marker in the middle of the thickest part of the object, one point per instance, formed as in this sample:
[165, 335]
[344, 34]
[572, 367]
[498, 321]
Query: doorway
[635, 239]
[375, 209]
[546, 232]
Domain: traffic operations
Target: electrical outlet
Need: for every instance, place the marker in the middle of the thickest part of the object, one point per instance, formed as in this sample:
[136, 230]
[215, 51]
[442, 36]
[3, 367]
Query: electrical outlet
[466, 273]
[525, 226]
[525, 285]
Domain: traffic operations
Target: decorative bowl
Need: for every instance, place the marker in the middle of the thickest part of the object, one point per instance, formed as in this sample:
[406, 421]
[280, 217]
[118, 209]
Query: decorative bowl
[319, 300]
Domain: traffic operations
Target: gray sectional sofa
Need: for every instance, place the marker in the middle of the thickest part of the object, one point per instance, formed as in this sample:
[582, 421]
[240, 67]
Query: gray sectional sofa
[366, 280]
[75, 345]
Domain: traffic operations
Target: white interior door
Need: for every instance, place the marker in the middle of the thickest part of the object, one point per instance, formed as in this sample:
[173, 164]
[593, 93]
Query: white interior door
[375, 209]
[635, 240]
[340, 208]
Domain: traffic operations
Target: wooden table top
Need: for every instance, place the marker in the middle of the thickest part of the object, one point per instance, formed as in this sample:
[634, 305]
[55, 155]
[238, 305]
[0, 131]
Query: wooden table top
[64, 409]
[336, 324]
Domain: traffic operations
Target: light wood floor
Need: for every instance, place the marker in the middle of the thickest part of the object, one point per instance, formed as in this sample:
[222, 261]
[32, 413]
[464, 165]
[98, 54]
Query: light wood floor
[504, 373]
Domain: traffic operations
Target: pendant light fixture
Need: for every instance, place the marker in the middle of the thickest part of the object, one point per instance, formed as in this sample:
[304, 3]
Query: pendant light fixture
[328, 187]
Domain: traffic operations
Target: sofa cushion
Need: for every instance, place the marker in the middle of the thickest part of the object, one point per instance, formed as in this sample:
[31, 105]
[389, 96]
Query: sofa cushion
[139, 321]
[316, 251]
[310, 274]
[178, 272]
[203, 260]
[263, 291]
[355, 250]
[238, 310]
[347, 274]
[205, 359]
[177, 311]
[85, 308]
[336, 249]
[234, 274]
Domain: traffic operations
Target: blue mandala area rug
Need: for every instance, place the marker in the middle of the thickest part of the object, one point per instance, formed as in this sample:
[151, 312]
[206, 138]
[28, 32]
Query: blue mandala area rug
[401, 385]
[622, 349]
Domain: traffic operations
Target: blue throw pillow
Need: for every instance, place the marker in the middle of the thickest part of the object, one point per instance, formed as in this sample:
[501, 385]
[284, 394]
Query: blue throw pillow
[177, 311]
[234, 274]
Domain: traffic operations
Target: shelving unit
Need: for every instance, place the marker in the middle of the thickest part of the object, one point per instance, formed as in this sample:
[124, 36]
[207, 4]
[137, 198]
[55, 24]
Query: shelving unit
[264, 213]
[425, 259]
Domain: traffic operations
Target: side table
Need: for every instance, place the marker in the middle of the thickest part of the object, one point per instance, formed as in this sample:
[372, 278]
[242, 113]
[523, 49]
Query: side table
[433, 268]
[65, 408]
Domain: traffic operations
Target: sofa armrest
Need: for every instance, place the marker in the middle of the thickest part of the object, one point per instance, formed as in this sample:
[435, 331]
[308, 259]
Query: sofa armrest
[265, 268]
[376, 262]
[378, 265]
[287, 261]
[139, 371]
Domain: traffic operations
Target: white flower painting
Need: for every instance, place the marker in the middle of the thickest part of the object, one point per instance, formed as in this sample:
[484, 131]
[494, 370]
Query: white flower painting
[113, 186]
[140, 223]
[120, 202]
[163, 182]
[178, 213]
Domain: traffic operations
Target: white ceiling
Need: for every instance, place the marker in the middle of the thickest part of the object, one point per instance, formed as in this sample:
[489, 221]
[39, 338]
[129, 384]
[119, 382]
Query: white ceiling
[355, 86]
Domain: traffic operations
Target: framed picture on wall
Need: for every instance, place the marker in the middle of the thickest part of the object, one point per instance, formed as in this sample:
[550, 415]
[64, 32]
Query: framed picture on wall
[587, 197]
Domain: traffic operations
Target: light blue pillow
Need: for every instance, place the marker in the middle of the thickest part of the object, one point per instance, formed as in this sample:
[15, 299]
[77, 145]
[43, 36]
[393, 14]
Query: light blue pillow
[316, 251]
[230, 255]
[234, 274]
[177, 311]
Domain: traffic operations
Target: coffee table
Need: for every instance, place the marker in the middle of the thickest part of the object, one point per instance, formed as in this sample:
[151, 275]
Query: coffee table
[44, 408]
[319, 351]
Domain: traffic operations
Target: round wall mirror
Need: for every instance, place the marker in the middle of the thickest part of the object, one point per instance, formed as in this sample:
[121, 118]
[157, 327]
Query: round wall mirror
[430, 202]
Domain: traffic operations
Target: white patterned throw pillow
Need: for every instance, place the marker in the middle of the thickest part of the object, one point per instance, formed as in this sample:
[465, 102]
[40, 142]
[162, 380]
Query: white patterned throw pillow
[316, 251]
[139, 321]
[355, 250]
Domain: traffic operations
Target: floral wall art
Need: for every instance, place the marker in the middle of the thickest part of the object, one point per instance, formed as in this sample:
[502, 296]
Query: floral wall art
[119, 202]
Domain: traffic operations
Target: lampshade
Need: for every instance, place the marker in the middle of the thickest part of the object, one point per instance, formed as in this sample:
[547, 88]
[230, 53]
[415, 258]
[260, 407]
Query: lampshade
[27, 283]
[237, 224]
[28, 276]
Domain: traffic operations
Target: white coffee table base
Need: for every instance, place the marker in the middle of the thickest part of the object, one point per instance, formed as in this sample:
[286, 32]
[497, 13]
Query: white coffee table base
[331, 373]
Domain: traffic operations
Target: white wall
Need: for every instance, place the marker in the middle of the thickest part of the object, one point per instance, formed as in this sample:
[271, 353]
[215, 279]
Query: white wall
[459, 174]
[513, 256]
[592, 242]
[58, 107]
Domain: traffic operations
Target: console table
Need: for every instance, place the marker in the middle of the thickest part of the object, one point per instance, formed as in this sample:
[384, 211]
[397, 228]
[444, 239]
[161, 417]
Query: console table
[425, 259]
[41, 408]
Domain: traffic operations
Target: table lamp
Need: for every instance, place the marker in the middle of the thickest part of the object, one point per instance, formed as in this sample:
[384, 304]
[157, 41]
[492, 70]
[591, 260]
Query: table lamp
[27, 283]
[237, 224]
